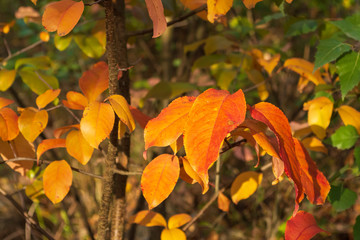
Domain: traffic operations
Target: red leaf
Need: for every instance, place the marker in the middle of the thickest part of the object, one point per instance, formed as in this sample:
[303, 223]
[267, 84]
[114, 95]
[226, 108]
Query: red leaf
[156, 13]
[215, 113]
[94, 81]
[48, 144]
[302, 226]
[141, 118]
[159, 179]
[8, 124]
[166, 128]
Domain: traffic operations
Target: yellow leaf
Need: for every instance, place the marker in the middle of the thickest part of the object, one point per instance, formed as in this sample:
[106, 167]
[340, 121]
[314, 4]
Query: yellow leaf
[173, 234]
[350, 116]
[178, 220]
[57, 180]
[7, 78]
[320, 111]
[78, 147]
[32, 122]
[148, 219]
[314, 144]
[223, 202]
[34, 1]
[121, 108]
[245, 185]
[258, 79]
[218, 8]
[97, 123]
[35, 190]
[47, 97]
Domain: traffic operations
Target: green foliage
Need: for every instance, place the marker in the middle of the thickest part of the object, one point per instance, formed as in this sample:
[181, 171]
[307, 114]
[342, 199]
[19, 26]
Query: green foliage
[341, 198]
[349, 71]
[344, 138]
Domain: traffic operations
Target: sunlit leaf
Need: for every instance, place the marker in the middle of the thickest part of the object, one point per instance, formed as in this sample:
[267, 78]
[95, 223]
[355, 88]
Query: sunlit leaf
[345, 137]
[148, 219]
[270, 64]
[22, 148]
[250, 3]
[8, 124]
[4, 102]
[156, 13]
[218, 8]
[277, 169]
[159, 178]
[193, 4]
[62, 43]
[349, 72]
[38, 82]
[314, 144]
[47, 97]
[214, 114]
[245, 185]
[57, 180]
[350, 116]
[178, 220]
[90, 46]
[7, 77]
[178, 144]
[167, 127]
[95, 80]
[173, 234]
[304, 69]
[320, 111]
[48, 144]
[41, 62]
[32, 122]
[78, 147]
[302, 226]
[75, 101]
[121, 108]
[193, 175]
[62, 16]
[62, 130]
[223, 202]
[97, 123]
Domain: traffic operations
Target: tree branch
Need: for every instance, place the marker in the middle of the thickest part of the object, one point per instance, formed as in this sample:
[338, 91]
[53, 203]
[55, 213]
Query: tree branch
[21, 51]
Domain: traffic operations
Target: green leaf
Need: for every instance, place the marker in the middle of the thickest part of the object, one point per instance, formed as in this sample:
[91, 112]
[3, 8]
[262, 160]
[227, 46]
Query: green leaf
[356, 229]
[329, 50]
[341, 198]
[225, 78]
[344, 138]
[357, 156]
[38, 82]
[207, 61]
[349, 72]
[348, 28]
[271, 17]
[62, 43]
[42, 62]
[90, 46]
[216, 43]
[301, 27]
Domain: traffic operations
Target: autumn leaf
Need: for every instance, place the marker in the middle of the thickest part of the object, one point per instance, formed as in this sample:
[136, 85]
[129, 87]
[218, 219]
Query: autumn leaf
[159, 179]
[167, 127]
[44, 36]
[19, 147]
[97, 123]
[245, 185]
[148, 219]
[250, 3]
[8, 124]
[78, 147]
[173, 234]
[75, 101]
[189, 171]
[214, 114]
[218, 8]
[62, 130]
[57, 180]
[48, 144]
[350, 116]
[193, 4]
[94, 81]
[302, 226]
[4, 102]
[7, 77]
[223, 202]
[320, 111]
[32, 122]
[47, 97]
[62, 16]
[141, 118]
[156, 13]
[121, 108]
[178, 220]
[314, 144]
[258, 79]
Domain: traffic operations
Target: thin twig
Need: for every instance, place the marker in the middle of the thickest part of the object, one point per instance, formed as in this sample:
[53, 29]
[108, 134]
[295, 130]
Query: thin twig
[182, 18]
[93, 3]
[7, 47]
[121, 172]
[53, 108]
[71, 113]
[21, 51]
[217, 175]
[232, 145]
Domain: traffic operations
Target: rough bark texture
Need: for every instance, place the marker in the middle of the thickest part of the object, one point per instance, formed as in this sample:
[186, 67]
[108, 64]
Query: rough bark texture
[113, 197]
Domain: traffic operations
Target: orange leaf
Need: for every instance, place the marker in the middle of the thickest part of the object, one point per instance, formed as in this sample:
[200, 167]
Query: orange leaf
[47, 97]
[94, 81]
[169, 125]
[156, 13]
[62, 130]
[159, 179]
[34, 1]
[75, 101]
[48, 144]
[4, 102]
[62, 16]
[277, 168]
[275, 119]
[214, 114]
[313, 181]
[121, 108]
[178, 144]
[193, 4]
[193, 175]
[148, 219]
[97, 123]
[350, 116]
[44, 36]
[173, 234]
[250, 3]
[245, 185]
[289, 1]
[57, 180]
[218, 8]
[22, 148]
[32, 122]
[302, 226]
[178, 220]
[78, 147]
[223, 202]
[270, 64]
[141, 118]
[8, 124]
